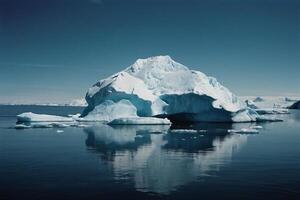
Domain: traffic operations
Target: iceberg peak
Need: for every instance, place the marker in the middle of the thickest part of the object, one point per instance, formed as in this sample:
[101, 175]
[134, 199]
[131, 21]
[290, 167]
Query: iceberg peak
[156, 63]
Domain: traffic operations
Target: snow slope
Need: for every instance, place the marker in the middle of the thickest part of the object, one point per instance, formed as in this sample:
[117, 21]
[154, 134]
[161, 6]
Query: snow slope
[159, 86]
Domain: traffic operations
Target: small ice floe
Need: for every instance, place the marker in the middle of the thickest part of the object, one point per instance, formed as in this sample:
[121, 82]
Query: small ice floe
[32, 120]
[21, 126]
[243, 130]
[186, 131]
[272, 111]
[32, 117]
[256, 127]
[80, 125]
[59, 131]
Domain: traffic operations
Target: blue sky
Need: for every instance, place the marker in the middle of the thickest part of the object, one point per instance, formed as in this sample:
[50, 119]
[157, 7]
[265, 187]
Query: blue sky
[54, 50]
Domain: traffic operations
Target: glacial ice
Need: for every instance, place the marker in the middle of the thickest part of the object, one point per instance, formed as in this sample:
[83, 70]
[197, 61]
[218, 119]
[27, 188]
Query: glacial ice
[160, 87]
[32, 117]
[110, 110]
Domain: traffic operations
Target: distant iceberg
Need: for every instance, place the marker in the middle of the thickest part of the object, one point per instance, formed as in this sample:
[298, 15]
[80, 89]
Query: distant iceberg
[258, 99]
[160, 87]
[270, 104]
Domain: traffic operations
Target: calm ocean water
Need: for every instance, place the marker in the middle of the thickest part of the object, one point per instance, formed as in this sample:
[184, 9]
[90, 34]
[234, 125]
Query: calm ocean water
[148, 162]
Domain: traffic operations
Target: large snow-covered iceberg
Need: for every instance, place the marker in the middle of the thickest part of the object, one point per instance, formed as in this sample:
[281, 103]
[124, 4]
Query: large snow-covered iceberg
[160, 87]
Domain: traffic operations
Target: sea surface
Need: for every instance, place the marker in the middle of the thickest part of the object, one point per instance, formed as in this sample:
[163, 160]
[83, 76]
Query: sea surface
[196, 161]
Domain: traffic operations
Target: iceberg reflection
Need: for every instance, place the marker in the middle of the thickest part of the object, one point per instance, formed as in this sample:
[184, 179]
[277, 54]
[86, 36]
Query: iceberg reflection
[159, 160]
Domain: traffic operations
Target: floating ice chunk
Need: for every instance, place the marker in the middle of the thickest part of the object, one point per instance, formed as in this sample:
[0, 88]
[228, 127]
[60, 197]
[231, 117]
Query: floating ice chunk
[186, 131]
[246, 115]
[21, 126]
[256, 127]
[59, 131]
[140, 120]
[272, 111]
[243, 130]
[32, 117]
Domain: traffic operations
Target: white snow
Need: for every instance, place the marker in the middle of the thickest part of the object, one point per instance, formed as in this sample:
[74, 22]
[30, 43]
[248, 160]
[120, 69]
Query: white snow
[140, 120]
[160, 86]
[32, 117]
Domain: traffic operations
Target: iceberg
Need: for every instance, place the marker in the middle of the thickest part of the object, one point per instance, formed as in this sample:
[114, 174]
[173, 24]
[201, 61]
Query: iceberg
[160, 87]
[258, 99]
[270, 104]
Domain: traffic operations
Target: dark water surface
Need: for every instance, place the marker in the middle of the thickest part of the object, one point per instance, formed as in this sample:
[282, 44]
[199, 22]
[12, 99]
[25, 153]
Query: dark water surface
[148, 162]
